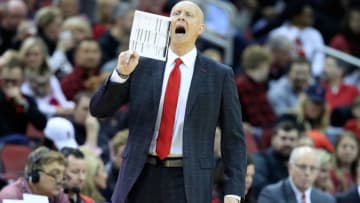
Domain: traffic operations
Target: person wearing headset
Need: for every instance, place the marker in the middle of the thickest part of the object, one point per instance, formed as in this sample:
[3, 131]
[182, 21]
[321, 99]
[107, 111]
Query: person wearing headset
[75, 175]
[44, 175]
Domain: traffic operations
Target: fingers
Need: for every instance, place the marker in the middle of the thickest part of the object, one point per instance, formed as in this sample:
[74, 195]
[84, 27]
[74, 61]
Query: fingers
[127, 61]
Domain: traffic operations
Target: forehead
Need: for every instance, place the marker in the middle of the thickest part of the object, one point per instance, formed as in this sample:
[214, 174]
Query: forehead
[307, 158]
[54, 166]
[187, 6]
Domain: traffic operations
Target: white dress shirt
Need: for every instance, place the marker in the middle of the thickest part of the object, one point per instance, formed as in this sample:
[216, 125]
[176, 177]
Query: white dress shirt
[298, 193]
[187, 70]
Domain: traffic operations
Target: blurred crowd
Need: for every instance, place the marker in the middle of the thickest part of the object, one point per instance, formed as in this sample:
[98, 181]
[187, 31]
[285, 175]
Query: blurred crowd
[300, 106]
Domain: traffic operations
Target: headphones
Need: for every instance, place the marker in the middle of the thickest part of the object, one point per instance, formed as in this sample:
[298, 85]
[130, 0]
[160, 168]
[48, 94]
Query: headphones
[33, 174]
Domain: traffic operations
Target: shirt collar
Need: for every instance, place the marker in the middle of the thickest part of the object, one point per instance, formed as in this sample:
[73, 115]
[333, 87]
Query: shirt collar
[188, 59]
[297, 192]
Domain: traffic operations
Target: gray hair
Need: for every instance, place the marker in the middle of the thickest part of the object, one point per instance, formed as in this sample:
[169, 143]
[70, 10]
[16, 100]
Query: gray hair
[279, 42]
[299, 151]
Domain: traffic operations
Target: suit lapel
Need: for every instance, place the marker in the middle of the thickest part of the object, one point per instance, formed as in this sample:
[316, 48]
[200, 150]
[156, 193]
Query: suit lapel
[289, 193]
[199, 74]
[158, 69]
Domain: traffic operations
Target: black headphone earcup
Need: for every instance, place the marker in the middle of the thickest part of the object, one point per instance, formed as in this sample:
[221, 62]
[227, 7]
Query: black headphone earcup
[34, 176]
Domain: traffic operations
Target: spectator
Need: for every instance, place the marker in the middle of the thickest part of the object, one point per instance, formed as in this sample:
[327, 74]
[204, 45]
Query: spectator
[119, 33]
[306, 39]
[256, 110]
[284, 93]
[40, 83]
[15, 12]
[49, 22]
[96, 177]
[343, 174]
[118, 145]
[323, 181]
[17, 111]
[303, 170]
[281, 48]
[104, 17]
[337, 92]
[75, 174]
[44, 174]
[348, 39]
[271, 165]
[352, 195]
[250, 172]
[353, 124]
[311, 112]
[68, 8]
[87, 59]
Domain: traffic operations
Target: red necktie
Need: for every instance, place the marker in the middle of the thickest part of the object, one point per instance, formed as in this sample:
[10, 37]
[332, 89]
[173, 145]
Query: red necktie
[303, 197]
[169, 110]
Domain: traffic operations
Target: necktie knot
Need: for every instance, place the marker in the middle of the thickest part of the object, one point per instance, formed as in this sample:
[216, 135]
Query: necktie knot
[303, 197]
[178, 61]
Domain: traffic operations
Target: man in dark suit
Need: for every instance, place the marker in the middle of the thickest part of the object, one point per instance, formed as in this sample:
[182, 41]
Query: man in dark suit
[175, 167]
[353, 194]
[303, 169]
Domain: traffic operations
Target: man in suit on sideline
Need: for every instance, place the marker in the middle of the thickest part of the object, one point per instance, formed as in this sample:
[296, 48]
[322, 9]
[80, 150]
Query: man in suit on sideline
[303, 169]
[353, 194]
[174, 108]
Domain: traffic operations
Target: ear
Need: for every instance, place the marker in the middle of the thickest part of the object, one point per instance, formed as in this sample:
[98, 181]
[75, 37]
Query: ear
[201, 29]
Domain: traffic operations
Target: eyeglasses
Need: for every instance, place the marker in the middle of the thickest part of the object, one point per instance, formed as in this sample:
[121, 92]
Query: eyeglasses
[10, 81]
[303, 167]
[56, 177]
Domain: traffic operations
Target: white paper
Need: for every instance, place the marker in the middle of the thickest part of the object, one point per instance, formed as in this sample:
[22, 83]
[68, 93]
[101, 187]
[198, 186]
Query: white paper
[12, 201]
[30, 198]
[150, 35]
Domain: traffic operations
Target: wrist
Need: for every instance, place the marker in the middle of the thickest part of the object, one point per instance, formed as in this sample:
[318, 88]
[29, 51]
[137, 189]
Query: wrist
[122, 76]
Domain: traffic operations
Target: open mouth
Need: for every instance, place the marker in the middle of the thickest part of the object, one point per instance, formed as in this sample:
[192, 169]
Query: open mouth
[180, 30]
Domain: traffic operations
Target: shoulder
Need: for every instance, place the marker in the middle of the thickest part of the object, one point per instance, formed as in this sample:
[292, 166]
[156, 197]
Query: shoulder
[326, 197]
[12, 191]
[212, 65]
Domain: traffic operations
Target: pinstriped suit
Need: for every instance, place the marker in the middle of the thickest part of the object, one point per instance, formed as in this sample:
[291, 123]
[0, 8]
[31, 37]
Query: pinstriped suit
[212, 100]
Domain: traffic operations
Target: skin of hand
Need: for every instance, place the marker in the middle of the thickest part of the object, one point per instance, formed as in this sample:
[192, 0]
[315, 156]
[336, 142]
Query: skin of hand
[127, 62]
[14, 93]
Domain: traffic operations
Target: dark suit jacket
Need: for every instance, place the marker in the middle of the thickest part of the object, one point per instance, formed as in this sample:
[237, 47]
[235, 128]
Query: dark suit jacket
[212, 100]
[350, 196]
[281, 192]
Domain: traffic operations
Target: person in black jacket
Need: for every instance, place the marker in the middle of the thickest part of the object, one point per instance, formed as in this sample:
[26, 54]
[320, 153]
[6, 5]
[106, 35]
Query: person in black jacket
[17, 111]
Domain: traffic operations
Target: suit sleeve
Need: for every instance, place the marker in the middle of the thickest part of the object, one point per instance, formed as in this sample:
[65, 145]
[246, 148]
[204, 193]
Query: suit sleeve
[109, 97]
[267, 196]
[232, 140]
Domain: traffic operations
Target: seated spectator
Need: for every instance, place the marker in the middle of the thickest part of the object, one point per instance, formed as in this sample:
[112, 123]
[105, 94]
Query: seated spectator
[298, 187]
[44, 174]
[352, 195]
[305, 38]
[250, 172]
[343, 173]
[119, 33]
[281, 49]
[87, 56]
[271, 165]
[95, 181]
[49, 22]
[353, 124]
[17, 111]
[337, 92]
[118, 145]
[104, 19]
[252, 87]
[75, 174]
[61, 132]
[311, 113]
[15, 12]
[348, 39]
[284, 93]
[323, 181]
